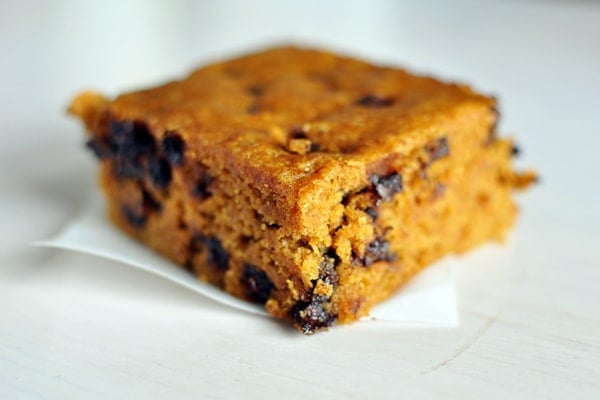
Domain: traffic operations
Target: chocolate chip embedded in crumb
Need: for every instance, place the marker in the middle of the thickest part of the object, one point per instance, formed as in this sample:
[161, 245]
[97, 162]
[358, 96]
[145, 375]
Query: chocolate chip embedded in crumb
[371, 212]
[256, 91]
[149, 203]
[132, 138]
[200, 187]
[327, 270]
[160, 172]
[257, 283]
[375, 101]
[216, 255]
[377, 250]
[137, 215]
[298, 133]
[102, 147]
[124, 167]
[515, 151]
[315, 314]
[134, 217]
[201, 181]
[438, 149]
[312, 316]
[132, 145]
[173, 147]
[387, 186]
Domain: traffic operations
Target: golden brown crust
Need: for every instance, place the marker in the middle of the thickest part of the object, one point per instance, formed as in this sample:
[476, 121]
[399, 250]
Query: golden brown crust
[315, 183]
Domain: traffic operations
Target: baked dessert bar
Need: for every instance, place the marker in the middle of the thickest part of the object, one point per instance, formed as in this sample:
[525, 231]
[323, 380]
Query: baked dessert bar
[311, 182]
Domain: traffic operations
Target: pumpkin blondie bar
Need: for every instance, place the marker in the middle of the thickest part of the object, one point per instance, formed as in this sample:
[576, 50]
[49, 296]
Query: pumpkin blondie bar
[313, 183]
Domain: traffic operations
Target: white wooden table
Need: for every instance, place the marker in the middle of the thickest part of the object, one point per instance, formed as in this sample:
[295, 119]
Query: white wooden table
[74, 326]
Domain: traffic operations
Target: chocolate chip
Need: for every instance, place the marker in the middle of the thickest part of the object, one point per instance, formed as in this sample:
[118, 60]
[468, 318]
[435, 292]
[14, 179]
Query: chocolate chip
[132, 138]
[200, 187]
[298, 133]
[149, 203]
[438, 149]
[387, 186]
[515, 151]
[311, 316]
[377, 250]
[136, 218]
[173, 147]
[201, 181]
[255, 91]
[371, 212]
[375, 101]
[216, 255]
[132, 145]
[138, 215]
[101, 146]
[327, 270]
[125, 167]
[257, 283]
[160, 172]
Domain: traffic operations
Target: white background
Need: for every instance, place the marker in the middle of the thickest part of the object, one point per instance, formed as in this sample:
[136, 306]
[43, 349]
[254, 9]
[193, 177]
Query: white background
[73, 326]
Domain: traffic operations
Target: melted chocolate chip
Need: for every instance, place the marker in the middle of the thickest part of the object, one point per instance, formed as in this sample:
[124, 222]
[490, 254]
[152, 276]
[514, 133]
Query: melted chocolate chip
[374, 101]
[438, 149]
[387, 186]
[257, 282]
[173, 147]
[216, 255]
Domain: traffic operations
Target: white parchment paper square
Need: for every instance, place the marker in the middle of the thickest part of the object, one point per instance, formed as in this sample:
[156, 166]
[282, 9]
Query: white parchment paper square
[429, 300]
